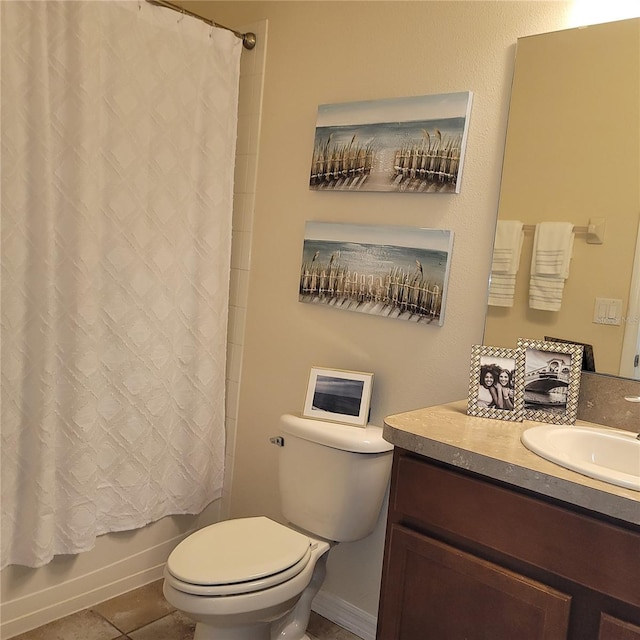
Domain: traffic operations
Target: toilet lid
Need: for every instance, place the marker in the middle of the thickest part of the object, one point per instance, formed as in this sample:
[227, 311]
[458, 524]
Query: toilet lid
[235, 551]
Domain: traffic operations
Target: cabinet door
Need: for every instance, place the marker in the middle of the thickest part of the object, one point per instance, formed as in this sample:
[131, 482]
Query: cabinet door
[614, 629]
[434, 591]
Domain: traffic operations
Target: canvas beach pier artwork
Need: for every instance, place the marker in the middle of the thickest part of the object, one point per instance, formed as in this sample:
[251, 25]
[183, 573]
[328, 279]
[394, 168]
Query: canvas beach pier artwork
[414, 144]
[391, 271]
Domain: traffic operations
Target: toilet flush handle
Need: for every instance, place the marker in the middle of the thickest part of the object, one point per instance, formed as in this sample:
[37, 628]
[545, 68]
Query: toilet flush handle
[277, 440]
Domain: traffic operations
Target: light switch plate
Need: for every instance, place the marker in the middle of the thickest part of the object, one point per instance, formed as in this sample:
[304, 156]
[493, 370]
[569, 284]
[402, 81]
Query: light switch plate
[608, 311]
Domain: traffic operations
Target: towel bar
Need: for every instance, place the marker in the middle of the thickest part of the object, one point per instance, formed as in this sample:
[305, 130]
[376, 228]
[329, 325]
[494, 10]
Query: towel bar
[594, 230]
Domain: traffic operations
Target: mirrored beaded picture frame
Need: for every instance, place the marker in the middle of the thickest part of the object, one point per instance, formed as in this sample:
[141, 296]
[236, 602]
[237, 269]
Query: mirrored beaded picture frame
[496, 383]
[551, 380]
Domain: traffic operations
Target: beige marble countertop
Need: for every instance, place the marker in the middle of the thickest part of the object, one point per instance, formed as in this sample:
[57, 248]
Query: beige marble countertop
[492, 448]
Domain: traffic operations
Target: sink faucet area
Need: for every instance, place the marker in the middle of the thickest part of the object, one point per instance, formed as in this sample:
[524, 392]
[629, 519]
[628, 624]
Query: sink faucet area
[610, 455]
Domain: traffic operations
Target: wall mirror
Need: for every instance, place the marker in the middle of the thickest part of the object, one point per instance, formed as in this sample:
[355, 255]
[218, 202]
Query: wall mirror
[573, 155]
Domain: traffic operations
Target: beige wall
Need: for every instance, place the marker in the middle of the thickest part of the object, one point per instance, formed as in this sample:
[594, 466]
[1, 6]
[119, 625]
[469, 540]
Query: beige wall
[323, 52]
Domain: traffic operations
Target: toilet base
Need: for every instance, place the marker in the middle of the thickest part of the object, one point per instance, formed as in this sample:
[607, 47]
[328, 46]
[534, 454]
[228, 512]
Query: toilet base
[294, 625]
[237, 634]
[274, 620]
[291, 625]
[251, 634]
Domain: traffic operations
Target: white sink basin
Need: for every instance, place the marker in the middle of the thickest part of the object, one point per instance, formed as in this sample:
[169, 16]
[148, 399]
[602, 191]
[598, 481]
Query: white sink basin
[611, 455]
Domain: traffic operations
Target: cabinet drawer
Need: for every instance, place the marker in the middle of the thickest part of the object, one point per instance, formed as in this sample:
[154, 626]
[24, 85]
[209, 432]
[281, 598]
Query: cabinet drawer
[613, 629]
[443, 593]
[596, 554]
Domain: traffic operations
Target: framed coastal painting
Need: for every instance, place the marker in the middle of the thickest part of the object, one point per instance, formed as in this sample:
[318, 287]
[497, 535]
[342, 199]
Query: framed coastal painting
[339, 396]
[390, 271]
[414, 144]
[495, 383]
[551, 380]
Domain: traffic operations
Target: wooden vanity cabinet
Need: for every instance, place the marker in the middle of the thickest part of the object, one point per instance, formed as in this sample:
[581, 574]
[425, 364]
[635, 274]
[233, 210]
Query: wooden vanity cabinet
[467, 558]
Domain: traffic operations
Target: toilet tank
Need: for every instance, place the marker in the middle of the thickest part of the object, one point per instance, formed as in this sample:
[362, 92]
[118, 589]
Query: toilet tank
[333, 477]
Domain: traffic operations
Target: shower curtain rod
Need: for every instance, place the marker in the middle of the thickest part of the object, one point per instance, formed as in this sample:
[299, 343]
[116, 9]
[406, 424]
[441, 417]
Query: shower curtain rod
[248, 39]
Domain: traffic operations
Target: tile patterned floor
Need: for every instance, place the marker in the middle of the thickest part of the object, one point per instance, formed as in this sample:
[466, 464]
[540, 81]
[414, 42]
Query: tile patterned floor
[144, 614]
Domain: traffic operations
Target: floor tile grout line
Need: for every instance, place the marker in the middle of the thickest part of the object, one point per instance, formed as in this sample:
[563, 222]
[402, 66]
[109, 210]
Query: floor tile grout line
[122, 632]
[150, 622]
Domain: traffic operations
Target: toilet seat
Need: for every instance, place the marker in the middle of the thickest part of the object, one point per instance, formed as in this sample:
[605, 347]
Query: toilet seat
[237, 556]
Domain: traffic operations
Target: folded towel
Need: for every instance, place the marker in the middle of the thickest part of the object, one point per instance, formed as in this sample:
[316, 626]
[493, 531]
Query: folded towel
[545, 293]
[502, 288]
[507, 247]
[552, 249]
[505, 263]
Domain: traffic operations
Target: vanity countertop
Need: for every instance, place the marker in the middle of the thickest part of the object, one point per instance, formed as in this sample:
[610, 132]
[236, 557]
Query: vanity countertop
[492, 448]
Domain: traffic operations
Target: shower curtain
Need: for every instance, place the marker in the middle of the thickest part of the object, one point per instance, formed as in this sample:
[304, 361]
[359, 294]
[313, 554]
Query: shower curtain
[118, 140]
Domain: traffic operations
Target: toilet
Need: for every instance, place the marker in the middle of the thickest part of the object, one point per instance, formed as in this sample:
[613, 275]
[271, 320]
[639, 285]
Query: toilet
[255, 578]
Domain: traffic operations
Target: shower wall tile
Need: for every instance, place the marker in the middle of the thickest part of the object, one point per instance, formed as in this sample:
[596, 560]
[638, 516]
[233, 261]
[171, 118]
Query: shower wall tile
[247, 92]
[231, 441]
[237, 317]
[240, 257]
[241, 182]
[233, 391]
[244, 135]
[252, 64]
[234, 362]
[254, 133]
[239, 287]
[243, 205]
[245, 173]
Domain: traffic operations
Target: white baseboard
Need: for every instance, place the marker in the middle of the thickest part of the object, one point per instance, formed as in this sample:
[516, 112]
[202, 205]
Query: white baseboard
[46, 605]
[117, 564]
[344, 614]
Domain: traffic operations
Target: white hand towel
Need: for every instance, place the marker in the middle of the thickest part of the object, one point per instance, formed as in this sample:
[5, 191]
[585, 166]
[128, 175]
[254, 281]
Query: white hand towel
[502, 288]
[545, 293]
[552, 249]
[505, 262]
[507, 247]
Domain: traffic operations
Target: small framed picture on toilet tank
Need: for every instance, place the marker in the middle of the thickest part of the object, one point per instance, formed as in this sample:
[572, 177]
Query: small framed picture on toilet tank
[339, 396]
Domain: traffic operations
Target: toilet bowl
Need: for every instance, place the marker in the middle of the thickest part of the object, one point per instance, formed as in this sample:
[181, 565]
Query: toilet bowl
[240, 578]
[254, 578]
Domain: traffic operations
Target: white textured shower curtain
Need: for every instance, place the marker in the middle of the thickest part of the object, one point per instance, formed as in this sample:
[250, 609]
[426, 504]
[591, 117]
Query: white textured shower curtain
[118, 142]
